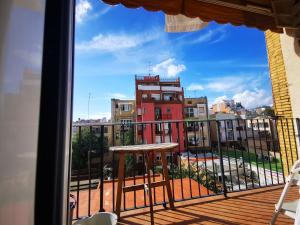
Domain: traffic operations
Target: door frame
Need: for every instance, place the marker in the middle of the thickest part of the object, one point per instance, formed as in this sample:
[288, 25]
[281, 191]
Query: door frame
[54, 137]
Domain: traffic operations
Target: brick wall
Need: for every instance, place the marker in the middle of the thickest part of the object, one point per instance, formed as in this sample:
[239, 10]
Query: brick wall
[281, 100]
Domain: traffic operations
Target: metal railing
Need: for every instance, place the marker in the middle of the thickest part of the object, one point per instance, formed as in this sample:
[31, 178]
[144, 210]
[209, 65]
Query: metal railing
[214, 157]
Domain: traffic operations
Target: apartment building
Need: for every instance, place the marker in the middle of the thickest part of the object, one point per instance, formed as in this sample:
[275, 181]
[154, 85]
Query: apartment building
[159, 100]
[228, 106]
[262, 136]
[95, 126]
[124, 113]
[231, 127]
[255, 135]
[196, 116]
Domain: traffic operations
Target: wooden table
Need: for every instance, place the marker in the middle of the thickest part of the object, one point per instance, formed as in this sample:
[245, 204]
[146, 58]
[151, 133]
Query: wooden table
[145, 149]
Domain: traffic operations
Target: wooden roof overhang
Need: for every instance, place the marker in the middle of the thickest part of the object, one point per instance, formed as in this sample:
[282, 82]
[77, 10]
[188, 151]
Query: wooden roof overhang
[262, 14]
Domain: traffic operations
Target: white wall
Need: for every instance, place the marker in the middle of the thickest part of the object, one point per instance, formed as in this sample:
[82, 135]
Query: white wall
[21, 35]
[291, 55]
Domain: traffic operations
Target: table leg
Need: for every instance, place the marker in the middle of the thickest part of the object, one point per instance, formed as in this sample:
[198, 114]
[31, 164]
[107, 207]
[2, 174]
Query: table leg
[120, 183]
[166, 175]
[148, 167]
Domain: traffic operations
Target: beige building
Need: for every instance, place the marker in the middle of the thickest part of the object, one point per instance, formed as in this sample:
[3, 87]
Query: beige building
[122, 112]
[196, 116]
[223, 107]
[228, 106]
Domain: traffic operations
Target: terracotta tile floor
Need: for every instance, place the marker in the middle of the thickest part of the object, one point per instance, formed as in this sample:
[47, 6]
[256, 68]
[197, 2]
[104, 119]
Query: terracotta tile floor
[248, 207]
[187, 186]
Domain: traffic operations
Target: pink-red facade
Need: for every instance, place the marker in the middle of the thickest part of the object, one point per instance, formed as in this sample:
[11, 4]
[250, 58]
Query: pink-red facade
[162, 102]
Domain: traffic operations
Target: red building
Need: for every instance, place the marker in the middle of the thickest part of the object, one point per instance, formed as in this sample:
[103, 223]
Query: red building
[160, 100]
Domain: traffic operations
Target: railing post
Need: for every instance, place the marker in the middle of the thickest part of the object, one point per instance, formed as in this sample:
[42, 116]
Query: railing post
[101, 168]
[132, 142]
[221, 159]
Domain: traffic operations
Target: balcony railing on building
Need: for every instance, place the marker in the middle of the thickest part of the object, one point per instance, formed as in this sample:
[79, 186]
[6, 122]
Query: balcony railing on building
[217, 157]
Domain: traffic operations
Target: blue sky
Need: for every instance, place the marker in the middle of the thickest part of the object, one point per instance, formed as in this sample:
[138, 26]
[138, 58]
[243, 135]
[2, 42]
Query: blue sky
[112, 44]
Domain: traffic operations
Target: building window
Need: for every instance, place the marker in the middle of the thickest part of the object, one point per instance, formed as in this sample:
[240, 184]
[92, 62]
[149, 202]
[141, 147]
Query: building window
[201, 110]
[168, 97]
[155, 97]
[105, 130]
[189, 112]
[239, 128]
[126, 121]
[157, 128]
[157, 113]
[126, 107]
[230, 135]
[144, 96]
[229, 124]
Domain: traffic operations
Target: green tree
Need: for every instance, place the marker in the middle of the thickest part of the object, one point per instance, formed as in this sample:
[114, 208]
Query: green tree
[129, 158]
[129, 136]
[89, 140]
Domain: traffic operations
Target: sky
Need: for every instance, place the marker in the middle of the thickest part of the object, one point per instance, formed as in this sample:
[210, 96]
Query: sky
[114, 43]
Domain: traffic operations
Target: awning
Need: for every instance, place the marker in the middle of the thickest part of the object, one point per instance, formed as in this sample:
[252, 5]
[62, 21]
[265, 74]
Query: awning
[262, 14]
[181, 23]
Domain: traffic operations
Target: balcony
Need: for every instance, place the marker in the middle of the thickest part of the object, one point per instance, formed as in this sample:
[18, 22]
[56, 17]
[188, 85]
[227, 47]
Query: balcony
[222, 183]
[161, 101]
[250, 207]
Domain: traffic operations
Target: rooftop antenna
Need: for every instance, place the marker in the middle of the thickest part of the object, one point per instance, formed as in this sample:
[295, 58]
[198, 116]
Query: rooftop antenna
[149, 68]
[89, 105]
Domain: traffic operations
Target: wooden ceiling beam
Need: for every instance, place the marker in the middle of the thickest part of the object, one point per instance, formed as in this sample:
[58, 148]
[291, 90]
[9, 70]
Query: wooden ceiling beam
[248, 7]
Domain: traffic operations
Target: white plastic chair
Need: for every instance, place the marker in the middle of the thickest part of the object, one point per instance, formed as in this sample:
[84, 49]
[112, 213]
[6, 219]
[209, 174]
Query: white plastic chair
[288, 208]
[101, 218]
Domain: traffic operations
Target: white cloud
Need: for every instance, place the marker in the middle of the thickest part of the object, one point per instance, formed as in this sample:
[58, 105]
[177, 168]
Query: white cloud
[252, 65]
[195, 87]
[251, 99]
[211, 36]
[117, 95]
[103, 11]
[229, 84]
[116, 42]
[220, 99]
[168, 68]
[83, 7]
[224, 85]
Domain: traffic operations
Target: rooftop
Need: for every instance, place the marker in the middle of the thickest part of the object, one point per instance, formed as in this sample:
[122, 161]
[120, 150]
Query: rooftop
[156, 78]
